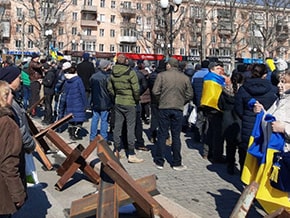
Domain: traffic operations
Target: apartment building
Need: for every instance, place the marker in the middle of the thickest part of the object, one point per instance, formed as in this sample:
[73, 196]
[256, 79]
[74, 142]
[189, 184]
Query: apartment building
[195, 29]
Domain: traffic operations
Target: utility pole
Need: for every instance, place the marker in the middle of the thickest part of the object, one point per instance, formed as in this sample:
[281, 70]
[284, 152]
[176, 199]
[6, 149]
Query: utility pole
[22, 36]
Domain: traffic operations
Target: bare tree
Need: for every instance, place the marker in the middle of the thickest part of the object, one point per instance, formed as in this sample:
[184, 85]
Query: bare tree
[42, 15]
[269, 29]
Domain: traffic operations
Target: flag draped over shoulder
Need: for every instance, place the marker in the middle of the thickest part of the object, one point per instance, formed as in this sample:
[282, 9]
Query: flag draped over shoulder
[212, 89]
[258, 166]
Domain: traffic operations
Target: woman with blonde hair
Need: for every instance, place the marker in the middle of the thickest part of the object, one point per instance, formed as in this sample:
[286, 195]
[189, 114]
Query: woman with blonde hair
[12, 189]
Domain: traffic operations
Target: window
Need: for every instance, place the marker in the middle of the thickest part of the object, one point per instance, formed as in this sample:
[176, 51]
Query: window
[75, 16]
[102, 33]
[73, 46]
[18, 28]
[138, 49]
[102, 3]
[18, 43]
[74, 31]
[148, 35]
[89, 46]
[90, 2]
[101, 47]
[194, 52]
[19, 12]
[182, 51]
[101, 18]
[139, 6]
[87, 32]
[139, 20]
[60, 45]
[113, 4]
[75, 2]
[182, 37]
[213, 39]
[148, 7]
[126, 4]
[30, 44]
[113, 18]
[30, 29]
[60, 31]
[112, 33]
[31, 13]
[112, 48]
[148, 21]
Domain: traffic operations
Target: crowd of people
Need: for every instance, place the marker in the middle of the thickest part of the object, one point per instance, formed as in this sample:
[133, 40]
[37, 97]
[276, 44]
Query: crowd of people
[126, 95]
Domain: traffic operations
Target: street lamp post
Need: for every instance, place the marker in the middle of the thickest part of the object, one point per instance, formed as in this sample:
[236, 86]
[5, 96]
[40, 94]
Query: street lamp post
[171, 9]
[252, 51]
[48, 34]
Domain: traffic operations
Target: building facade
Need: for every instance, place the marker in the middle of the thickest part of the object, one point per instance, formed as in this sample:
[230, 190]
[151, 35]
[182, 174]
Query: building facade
[195, 29]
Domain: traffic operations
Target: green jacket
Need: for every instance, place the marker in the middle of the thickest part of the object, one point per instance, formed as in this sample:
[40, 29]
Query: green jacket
[124, 86]
[25, 78]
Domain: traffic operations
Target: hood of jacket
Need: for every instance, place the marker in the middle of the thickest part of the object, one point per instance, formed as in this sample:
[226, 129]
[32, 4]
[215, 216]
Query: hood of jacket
[119, 70]
[4, 111]
[257, 86]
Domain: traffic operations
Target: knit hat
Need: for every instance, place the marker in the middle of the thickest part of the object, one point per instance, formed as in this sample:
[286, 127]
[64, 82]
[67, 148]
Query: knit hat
[86, 56]
[9, 74]
[34, 55]
[66, 65]
[173, 62]
[104, 63]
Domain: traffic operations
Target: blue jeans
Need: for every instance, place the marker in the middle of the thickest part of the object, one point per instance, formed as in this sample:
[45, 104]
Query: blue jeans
[26, 95]
[97, 115]
[169, 119]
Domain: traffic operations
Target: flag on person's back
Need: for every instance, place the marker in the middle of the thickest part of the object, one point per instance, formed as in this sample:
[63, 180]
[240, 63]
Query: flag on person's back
[212, 89]
[259, 162]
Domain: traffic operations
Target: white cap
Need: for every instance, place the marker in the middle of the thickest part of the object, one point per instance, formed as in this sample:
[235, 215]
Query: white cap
[66, 65]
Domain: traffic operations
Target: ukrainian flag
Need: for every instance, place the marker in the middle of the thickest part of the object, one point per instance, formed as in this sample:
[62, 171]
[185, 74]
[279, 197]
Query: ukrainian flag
[55, 54]
[212, 89]
[259, 166]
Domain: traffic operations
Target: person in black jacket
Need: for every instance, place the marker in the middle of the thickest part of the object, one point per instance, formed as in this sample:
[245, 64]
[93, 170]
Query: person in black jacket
[263, 91]
[101, 100]
[85, 70]
[48, 84]
[231, 123]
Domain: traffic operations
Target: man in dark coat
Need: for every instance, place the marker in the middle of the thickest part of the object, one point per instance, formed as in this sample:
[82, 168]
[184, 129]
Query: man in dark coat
[101, 100]
[85, 70]
[48, 83]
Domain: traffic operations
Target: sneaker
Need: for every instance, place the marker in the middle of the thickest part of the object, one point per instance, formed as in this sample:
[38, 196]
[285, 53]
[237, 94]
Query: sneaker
[159, 167]
[134, 159]
[179, 168]
[142, 148]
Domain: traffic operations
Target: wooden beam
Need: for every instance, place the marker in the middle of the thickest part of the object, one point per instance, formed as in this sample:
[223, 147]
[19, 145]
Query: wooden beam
[87, 206]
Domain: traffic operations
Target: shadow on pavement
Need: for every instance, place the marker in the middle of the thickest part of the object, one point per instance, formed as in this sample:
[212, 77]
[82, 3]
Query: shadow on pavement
[36, 199]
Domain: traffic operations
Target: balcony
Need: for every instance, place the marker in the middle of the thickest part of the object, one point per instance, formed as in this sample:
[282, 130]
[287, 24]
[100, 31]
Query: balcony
[128, 39]
[128, 25]
[89, 23]
[88, 38]
[131, 12]
[89, 8]
[194, 43]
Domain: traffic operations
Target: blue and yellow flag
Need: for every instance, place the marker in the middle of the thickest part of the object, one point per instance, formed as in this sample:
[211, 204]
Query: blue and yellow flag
[55, 54]
[259, 166]
[212, 89]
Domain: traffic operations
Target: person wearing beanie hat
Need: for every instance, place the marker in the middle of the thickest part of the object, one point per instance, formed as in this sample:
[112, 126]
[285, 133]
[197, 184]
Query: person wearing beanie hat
[104, 64]
[101, 100]
[9, 74]
[85, 70]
